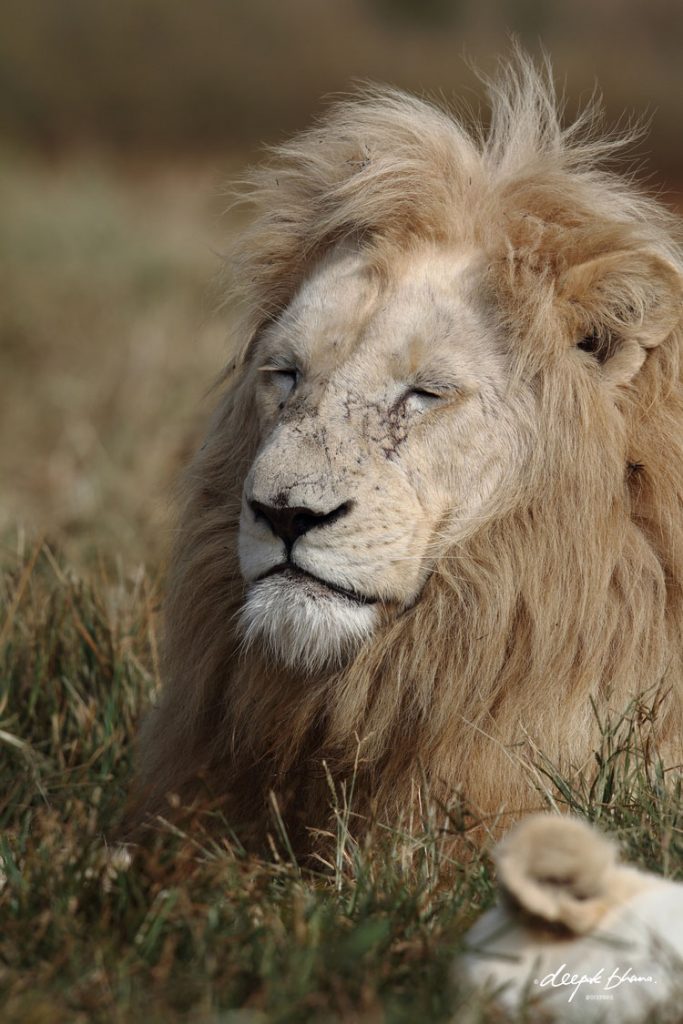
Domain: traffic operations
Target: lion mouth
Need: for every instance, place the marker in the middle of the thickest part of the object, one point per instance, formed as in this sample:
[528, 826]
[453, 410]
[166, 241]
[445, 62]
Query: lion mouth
[316, 585]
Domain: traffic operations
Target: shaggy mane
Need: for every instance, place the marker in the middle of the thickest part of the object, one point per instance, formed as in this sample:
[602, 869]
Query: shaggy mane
[392, 169]
[572, 599]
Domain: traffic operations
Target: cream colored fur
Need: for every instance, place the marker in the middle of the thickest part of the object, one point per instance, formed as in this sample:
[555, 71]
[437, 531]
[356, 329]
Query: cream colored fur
[577, 934]
[468, 344]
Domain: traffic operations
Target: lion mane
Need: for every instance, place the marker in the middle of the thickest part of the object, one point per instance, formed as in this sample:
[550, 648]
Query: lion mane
[549, 616]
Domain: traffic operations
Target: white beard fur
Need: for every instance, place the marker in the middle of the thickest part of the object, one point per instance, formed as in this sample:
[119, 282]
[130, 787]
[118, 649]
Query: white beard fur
[301, 630]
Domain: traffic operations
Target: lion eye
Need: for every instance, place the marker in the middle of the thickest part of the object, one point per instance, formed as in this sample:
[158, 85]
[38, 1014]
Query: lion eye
[424, 398]
[285, 379]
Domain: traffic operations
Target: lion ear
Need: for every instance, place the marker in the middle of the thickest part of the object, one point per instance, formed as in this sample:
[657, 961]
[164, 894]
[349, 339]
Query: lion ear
[628, 302]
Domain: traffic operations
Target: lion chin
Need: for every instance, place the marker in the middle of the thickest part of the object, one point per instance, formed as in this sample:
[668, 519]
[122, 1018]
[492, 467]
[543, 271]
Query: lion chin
[303, 623]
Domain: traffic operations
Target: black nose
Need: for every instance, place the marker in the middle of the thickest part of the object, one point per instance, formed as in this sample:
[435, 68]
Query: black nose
[291, 521]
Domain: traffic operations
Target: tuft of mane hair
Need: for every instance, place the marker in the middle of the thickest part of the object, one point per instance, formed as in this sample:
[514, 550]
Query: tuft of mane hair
[570, 911]
[569, 600]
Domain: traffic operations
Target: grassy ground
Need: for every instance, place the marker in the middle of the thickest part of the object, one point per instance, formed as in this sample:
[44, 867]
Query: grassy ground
[192, 928]
[108, 343]
[106, 347]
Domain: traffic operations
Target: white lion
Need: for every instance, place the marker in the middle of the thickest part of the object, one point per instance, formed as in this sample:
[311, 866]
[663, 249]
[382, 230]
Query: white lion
[577, 934]
[435, 524]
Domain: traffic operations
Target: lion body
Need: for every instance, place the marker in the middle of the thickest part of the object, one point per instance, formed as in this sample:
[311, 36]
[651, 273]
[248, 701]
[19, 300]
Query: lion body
[515, 626]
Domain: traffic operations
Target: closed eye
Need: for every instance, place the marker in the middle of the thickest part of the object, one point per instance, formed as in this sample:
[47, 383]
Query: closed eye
[425, 393]
[285, 378]
[292, 375]
[424, 398]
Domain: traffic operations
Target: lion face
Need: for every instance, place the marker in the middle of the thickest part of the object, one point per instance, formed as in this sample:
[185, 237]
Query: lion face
[386, 433]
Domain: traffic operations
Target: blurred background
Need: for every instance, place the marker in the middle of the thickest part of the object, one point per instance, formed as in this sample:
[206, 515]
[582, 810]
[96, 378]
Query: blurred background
[120, 120]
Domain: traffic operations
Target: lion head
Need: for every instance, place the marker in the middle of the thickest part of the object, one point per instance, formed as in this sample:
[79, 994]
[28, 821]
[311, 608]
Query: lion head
[436, 520]
[385, 436]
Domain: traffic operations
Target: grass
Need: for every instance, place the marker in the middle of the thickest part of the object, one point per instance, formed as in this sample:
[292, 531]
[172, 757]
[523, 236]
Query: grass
[191, 927]
[108, 343]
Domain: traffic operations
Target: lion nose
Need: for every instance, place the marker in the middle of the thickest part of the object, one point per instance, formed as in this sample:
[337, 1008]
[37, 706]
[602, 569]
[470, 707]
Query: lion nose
[289, 522]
